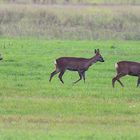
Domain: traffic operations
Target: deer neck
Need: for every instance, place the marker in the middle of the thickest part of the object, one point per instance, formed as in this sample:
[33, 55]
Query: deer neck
[92, 61]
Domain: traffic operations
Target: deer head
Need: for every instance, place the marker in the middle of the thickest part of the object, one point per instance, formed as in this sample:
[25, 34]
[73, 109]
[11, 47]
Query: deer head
[98, 56]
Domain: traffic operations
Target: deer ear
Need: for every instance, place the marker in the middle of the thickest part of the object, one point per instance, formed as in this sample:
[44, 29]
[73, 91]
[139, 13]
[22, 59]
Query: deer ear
[98, 50]
[95, 51]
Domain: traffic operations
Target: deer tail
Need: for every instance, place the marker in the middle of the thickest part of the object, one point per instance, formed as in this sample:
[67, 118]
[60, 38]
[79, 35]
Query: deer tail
[116, 65]
[55, 63]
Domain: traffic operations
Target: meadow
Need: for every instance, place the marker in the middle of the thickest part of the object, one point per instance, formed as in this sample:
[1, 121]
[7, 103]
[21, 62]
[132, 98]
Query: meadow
[33, 33]
[34, 109]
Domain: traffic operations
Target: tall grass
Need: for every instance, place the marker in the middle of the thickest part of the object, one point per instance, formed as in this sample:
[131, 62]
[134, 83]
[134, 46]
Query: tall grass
[70, 22]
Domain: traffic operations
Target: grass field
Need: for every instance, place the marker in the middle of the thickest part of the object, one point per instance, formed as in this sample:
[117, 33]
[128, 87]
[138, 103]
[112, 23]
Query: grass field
[32, 108]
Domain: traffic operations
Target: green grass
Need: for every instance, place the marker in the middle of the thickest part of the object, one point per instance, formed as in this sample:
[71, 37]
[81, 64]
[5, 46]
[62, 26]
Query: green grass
[32, 108]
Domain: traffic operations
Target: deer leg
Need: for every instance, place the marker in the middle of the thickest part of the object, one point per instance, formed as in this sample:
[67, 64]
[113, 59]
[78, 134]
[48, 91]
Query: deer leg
[83, 74]
[117, 78]
[60, 76]
[120, 82]
[52, 74]
[138, 82]
[80, 75]
[113, 81]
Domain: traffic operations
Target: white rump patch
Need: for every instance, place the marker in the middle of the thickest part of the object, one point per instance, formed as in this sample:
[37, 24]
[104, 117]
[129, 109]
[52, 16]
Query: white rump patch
[116, 65]
[55, 62]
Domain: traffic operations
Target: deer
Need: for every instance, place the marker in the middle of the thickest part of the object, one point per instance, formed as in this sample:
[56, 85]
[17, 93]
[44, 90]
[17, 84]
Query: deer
[124, 68]
[81, 65]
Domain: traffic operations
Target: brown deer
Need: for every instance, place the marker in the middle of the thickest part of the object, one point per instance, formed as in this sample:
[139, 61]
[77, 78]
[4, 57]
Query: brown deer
[80, 65]
[126, 68]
